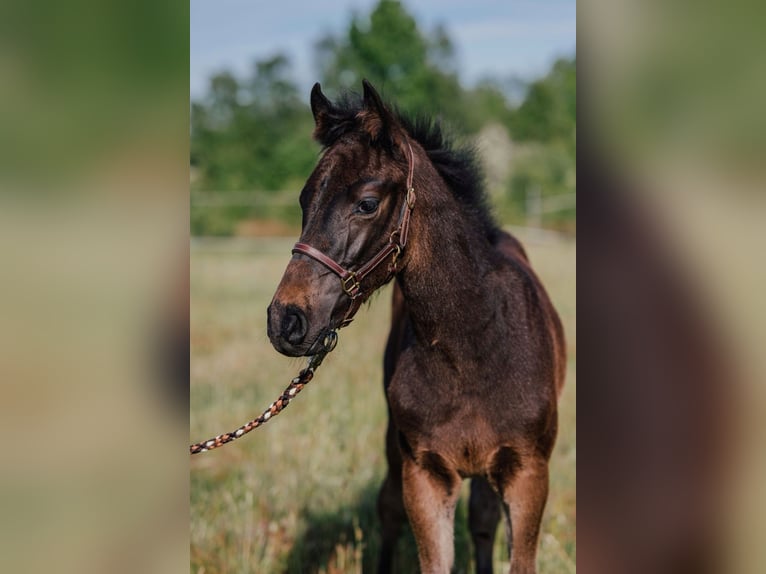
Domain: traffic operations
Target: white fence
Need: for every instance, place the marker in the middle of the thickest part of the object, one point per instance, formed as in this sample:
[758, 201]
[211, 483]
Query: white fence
[537, 205]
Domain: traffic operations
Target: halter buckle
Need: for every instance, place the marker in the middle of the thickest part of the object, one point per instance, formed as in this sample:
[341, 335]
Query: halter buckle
[351, 285]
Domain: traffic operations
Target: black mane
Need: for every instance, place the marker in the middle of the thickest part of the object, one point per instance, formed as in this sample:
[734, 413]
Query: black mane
[458, 165]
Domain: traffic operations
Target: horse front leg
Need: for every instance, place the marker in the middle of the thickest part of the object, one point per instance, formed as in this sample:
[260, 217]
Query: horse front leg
[390, 504]
[430, 492]
[524, 493]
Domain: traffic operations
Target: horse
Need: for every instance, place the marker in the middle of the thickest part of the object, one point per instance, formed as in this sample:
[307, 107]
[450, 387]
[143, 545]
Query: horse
[475, 359]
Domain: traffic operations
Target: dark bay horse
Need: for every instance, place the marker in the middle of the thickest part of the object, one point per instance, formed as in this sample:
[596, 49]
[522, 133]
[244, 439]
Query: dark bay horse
[475, 358]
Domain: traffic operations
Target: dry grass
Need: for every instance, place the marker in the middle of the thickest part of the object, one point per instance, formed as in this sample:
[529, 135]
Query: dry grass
[298, 495]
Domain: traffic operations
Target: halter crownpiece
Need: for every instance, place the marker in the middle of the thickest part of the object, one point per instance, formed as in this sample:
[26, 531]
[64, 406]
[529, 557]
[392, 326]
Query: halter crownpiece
[351, 280]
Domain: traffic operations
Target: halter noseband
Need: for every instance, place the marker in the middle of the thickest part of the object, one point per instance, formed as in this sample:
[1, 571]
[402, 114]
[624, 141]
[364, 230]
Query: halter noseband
[351, 280]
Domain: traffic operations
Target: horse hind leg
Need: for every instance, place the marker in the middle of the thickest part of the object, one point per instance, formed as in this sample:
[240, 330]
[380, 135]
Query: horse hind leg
[483, 517]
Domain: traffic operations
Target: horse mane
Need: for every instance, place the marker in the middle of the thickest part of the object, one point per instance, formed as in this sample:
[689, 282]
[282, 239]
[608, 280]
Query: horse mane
[458, 165]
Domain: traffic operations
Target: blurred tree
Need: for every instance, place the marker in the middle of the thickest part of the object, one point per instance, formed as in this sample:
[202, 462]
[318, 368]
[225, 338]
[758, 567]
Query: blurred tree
[485, 104]
[250, 135]
[546, 124]
[254, 134]
[271, 88]
[549, 110]
[414, 69]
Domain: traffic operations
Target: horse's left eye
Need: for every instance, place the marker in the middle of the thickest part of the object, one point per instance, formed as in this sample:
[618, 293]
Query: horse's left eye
[367, 206]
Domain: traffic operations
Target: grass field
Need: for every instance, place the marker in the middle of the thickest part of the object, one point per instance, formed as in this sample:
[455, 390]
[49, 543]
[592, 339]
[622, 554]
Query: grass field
[298, 495]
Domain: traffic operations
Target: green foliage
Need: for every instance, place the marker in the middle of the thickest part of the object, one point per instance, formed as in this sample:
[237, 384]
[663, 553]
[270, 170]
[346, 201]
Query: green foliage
[545, 162]
[254, 133]
[485, 104]
[549, 111]
[389, 50]
[414, 68]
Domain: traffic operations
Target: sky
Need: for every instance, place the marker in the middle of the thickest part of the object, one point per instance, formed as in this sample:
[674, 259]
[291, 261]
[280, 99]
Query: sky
[499, 38]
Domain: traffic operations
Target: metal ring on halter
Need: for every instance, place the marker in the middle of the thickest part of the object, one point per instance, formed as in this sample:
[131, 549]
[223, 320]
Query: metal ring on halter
[328, 344]
[330, 340]
[395, 259]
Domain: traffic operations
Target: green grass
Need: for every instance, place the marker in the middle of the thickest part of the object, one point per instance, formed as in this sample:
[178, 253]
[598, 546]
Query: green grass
[298, 495]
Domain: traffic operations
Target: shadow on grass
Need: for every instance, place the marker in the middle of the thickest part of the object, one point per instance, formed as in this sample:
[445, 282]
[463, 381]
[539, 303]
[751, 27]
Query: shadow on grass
[348, 540]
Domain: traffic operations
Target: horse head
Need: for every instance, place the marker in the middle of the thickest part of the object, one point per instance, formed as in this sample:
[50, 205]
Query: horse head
[356, 206]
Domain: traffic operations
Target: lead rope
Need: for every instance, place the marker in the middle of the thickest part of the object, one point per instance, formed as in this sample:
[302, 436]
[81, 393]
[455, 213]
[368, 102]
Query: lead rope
[295, 387]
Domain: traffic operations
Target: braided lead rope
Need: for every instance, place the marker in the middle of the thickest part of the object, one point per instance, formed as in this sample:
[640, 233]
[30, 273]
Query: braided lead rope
[295, 387]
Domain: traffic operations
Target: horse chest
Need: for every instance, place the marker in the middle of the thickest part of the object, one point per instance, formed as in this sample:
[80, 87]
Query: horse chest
[440, 410]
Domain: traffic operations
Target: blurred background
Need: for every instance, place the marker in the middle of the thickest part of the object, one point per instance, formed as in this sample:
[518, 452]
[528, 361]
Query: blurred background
[670, 285]
[500, 76]
[94, 116]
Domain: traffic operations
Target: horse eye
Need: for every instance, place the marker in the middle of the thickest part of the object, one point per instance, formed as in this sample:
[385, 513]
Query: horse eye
[367, 206]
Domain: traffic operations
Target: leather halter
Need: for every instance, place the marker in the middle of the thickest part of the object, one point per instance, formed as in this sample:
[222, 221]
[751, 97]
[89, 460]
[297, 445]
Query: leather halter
[351, 280]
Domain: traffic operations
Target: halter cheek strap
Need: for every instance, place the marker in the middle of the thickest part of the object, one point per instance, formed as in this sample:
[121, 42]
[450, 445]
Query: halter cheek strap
[351, 280]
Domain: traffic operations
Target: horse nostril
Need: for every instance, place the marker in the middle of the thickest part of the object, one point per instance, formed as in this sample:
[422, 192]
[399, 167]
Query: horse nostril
[294, 326]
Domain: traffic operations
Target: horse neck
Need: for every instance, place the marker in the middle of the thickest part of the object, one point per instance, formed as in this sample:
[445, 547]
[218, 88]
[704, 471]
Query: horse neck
[447, 261]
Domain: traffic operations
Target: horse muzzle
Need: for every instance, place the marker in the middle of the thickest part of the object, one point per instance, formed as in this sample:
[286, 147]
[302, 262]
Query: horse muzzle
[288, 328]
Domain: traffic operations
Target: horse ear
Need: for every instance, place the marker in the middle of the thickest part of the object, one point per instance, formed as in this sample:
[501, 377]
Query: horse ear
[320, 105]
[377, 120]
[372, 100]
[322, 109]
